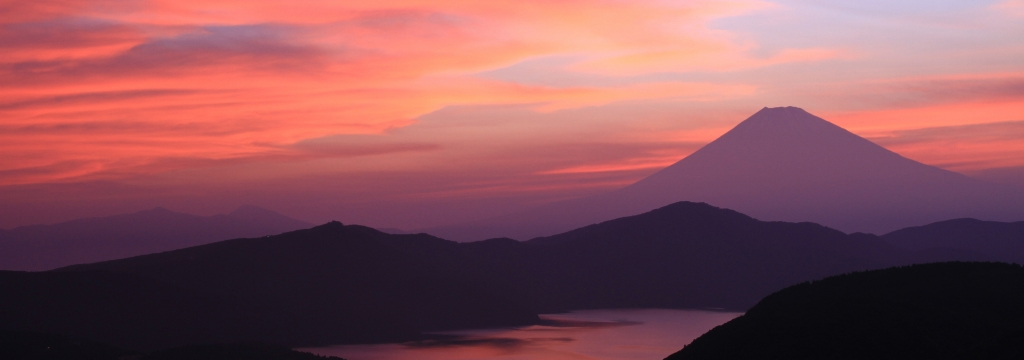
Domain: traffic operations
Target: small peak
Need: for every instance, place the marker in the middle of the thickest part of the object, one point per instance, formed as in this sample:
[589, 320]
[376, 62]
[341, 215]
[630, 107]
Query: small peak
[689, 205]
[332, 225]
[692, 207]
[783, 111]
[786, 119]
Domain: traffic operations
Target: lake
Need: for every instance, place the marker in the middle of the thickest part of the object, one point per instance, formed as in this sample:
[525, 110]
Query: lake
[647, 334]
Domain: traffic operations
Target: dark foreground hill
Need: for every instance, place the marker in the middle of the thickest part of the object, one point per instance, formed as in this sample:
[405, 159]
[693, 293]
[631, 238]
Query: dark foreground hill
[335, 284]
[124, 310]
[328, 284]
[932, 311]
[44, 247]
[39, 346]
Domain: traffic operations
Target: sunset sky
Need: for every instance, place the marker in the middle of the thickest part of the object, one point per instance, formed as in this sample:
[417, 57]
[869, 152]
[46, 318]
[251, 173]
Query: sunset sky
[417, 113]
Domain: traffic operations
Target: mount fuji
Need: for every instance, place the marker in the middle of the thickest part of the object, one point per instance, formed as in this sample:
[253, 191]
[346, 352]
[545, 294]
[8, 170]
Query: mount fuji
[781, 164]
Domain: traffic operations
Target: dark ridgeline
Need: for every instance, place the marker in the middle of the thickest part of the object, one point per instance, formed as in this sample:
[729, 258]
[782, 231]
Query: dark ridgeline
[41, 346]
[352, 284]
[780, 164]
[44, 247]
[329, 284]
[934, 311]
[685, 255]
[997, 241]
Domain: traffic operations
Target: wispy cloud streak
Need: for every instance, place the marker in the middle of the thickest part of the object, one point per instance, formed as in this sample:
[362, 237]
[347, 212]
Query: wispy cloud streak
[515, 96]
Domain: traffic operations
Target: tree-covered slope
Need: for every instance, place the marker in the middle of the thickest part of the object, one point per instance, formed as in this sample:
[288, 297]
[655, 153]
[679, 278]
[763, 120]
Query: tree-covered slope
[935, 311]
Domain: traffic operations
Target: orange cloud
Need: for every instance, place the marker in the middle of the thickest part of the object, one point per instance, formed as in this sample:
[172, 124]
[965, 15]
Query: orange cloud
[631, 164]
[963, 148]
[218, 93]
[119, 85]
[899, 104]
[962, 123]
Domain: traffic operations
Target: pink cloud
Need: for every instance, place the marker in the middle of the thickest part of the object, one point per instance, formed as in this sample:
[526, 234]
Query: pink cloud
[965, 148]
[198, 94]
[172, 75]
[1011, 7]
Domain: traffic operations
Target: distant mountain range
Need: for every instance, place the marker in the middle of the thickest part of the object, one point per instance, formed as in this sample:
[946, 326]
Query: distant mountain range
[780, 164]
[350, 284]
[933, 311]
[43, 247]
[999, 241]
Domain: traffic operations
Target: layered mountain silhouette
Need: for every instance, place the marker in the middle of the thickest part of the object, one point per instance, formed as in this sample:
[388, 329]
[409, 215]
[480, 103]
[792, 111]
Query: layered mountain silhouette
[781, 164]
[933, 311]
[352, 284]
[325, 285]
[43, 247]
[686, 255]
[1000, 241]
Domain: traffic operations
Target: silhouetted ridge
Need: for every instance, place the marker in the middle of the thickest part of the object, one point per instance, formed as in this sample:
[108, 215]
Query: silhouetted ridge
[331, 284]
[680, 216]
[42, 247]
[995, 240]
[657, 258]
[933, 311]
[337, 283]
[336, 227]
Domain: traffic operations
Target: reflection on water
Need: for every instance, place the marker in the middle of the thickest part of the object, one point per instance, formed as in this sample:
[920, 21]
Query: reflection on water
[647, 334]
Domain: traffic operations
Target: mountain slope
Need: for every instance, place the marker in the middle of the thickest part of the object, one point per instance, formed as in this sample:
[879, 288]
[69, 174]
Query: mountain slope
[661, 258]
[933, 311]
[42, 247]
[658, 258]
[329, 284]
[350, 284]
[999, 241]
[782, 164]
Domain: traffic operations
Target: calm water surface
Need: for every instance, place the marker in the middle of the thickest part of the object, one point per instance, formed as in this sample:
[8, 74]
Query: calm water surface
[647, 334]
